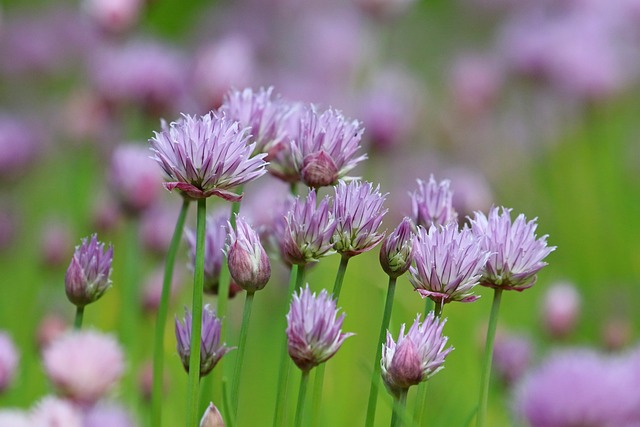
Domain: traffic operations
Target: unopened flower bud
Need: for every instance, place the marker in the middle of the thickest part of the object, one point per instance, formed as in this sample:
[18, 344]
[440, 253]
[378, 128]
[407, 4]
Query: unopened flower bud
[248, 262]
[212, 417]
[396, 251]
[319, 170]
[560, 309]
[88, 275]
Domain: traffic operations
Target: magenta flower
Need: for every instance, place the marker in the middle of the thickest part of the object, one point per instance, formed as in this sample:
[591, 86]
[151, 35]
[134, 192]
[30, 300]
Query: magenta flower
[214, 240]
[416, 356]
[206, 156]
[431, 204]
[308, 231]
[89, 273]
[516, 252]
[248, 262]
[84, 365]
[211, 350]
[257, 111]
[448, 264]
[9, 357]
[357, 208]
[325, 148]
[396, 251]
[314, 332]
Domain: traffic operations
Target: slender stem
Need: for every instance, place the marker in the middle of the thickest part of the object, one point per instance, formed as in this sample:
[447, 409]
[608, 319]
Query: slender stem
[375, 376]
[437, 310]
[488, 356]
[299, 279]
[77, 324]
[231, 420]
[225, 277]
[161, 319]
[283, 370]
[342, 268]
[196, 316]
[428, 306]
[399, 407]
[302, 393]
[293, 188]
[420, 408]
[242, 344]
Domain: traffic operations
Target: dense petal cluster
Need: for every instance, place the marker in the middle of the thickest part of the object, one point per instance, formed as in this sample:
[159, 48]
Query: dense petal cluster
[308, 231]
[516, 252]
[282, 163]
[9, 357]
[84, 365]
[211, 350]
[89, 273]
[214, 239]
[206, 156]
[396, 251]
[448, 264]
[580, 387]
[432, 203]
[259, 112]
[248, 261]
[314, 331]
[357, 208]
[416, 356]
[325, 148]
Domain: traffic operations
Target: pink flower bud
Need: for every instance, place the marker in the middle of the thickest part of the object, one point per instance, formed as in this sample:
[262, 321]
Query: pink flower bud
[212, 417]
[248, 262]
[560, 309]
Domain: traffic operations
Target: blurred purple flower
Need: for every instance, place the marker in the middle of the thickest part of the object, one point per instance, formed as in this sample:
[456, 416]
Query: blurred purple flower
[19, 142]
[560, 309]
[314, 332]
[357, 209]
[512, 356]
[89, 273]
[114, 16]
[448, 264]
[156, 228]
[56, 243]
[325, 147]
[206, 156]
[214, 240]
[14, 417]
[52, 411]
[384, 9]
[416, 356]
[516, 252]
[9, 357]
[432, 204]
[152, 289]
[308, 231]
[211, 351]
[396, 250]
[475, 83]
[108, 415]
[248, 262]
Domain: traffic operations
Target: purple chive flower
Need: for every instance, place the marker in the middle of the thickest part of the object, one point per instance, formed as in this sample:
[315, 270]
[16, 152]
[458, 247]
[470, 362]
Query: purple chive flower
[325, 148]
[84, 365]
[211, 351]
[259, 112]
[448, 264]
[357, 208]
[9, 357]
[89, 273]
[248, 262]
[19, 141]
[431, 204]
[282, 163]
[134, 179]
[416, 356]
[308, 231]
[560, 309]
[512, 356]
[516, 252]
[396, 250]
[206, 156]
[214, 241]
[314, 332]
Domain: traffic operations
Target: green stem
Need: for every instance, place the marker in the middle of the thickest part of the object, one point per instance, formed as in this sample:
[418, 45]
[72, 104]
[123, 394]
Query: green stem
[231, 421]
[161, 319]
[375, 377]
[488, 356]
[399, 407]
[196, 318]
[242, 344]
[77, 324]
[437, 310]
[342, 268]
[225, 277]
[302, 393]
[296, 278]
[428, 306]
[420, 409]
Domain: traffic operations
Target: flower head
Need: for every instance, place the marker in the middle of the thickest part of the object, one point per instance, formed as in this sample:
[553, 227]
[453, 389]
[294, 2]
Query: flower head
[282, 163]
[325, 148]
[396, 250]
[206, 156]
[211, 349]
[89, 273]
[214, 240]
[357, 208]
[84, 365]
[308, 231]
[431, 204]
[448, 264]
[516, 252]
[314, 332]
[248, 262]
[416, 356]
[8, 361]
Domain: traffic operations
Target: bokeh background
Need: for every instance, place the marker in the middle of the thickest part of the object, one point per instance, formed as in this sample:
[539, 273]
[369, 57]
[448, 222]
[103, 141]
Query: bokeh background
[530, 104]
